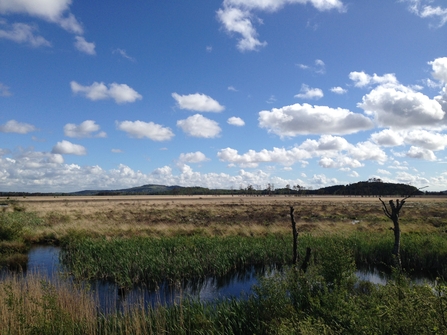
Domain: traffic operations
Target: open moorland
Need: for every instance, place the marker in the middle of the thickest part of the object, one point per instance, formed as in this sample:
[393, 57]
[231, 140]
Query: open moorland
[220, 215]
[134, 240]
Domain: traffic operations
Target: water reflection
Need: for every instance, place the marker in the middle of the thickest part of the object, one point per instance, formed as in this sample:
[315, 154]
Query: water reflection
[44, 260]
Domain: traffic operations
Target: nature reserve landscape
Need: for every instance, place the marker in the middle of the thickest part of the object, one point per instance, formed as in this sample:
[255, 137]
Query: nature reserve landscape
[145, 240]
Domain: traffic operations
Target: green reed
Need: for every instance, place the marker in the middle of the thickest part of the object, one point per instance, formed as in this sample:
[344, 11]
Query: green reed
[150, 260]
[420, 252]
[129, 261]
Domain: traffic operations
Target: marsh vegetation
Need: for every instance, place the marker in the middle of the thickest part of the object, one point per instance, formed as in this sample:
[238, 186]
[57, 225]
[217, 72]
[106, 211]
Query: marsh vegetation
[143, 241]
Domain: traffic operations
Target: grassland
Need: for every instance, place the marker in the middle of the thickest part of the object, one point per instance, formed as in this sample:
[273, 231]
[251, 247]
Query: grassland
[157, 216]
[139, 239]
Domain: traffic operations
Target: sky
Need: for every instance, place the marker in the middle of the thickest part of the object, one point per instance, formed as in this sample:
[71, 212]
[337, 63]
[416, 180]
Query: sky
[222, 93]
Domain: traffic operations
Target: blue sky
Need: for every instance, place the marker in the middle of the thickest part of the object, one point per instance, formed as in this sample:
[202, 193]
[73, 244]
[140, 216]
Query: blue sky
[222, 93]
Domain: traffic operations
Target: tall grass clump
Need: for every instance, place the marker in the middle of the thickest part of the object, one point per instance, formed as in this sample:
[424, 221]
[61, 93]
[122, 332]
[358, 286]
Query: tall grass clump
[129, 261]
[35, 305]
[14, 227]
[420, 252]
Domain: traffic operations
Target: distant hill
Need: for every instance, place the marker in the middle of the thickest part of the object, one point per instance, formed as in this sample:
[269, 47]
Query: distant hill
[149, 189]
[371, 188]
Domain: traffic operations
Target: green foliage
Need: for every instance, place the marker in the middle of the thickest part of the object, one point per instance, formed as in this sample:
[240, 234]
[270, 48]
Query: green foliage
[14, 224]
[13, 227]
[150, 260]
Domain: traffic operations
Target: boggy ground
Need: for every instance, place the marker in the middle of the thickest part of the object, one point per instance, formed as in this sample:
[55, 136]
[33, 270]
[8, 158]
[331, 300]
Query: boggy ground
[116, 216]
[322, 300]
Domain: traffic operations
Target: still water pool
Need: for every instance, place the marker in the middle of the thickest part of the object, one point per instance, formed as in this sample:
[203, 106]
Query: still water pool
[44, 260]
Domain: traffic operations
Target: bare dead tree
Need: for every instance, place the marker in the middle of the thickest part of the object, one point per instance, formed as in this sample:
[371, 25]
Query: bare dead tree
[393, 213]
[306, 260]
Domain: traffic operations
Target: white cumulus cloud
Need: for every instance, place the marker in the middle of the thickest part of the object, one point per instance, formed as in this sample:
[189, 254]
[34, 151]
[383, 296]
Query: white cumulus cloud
[324, 144]
[121, 93]
[85, 129]
[421, 153]
[439, 66]
[388, 138]
[68, 148]
[362, 79]
[23, 33]
[426, 139]
[307, 92]
[12, 126]
[236, 121]
[367, 151]
[401, 107]
[338, 90]
[199, 126]
[140, 129]
[253, 158]
[193, 157]
[197, 102]
[305, 119]
[86, 47]
[237, 16]
[237, 20]
[55, 11]
[341, 162]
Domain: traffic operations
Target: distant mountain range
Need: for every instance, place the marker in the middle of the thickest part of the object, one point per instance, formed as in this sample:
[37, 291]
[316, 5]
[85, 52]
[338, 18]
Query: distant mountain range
[364, 188]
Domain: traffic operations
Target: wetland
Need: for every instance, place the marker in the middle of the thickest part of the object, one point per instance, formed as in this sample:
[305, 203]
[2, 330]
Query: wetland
[220, 246]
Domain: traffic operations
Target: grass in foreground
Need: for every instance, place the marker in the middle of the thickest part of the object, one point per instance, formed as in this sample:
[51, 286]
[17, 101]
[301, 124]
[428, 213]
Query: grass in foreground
[324, 300]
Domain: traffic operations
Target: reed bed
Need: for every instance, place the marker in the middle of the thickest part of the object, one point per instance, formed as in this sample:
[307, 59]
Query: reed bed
[128, 261]
[421, 253]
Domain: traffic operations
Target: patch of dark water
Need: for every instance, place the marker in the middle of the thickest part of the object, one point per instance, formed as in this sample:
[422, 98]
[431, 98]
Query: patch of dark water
[208, 289]
[44, 260]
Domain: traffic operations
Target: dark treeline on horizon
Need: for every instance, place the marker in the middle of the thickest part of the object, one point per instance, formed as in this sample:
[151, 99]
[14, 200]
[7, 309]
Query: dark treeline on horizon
[364, 188]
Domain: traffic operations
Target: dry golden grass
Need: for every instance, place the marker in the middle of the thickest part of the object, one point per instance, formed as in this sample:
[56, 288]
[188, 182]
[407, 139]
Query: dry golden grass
[34, 302]
[224, 215]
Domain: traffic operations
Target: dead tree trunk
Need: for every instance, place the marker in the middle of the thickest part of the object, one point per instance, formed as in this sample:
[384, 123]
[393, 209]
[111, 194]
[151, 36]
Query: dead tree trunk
[306, 260]
[393, 214]
[295, 236]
